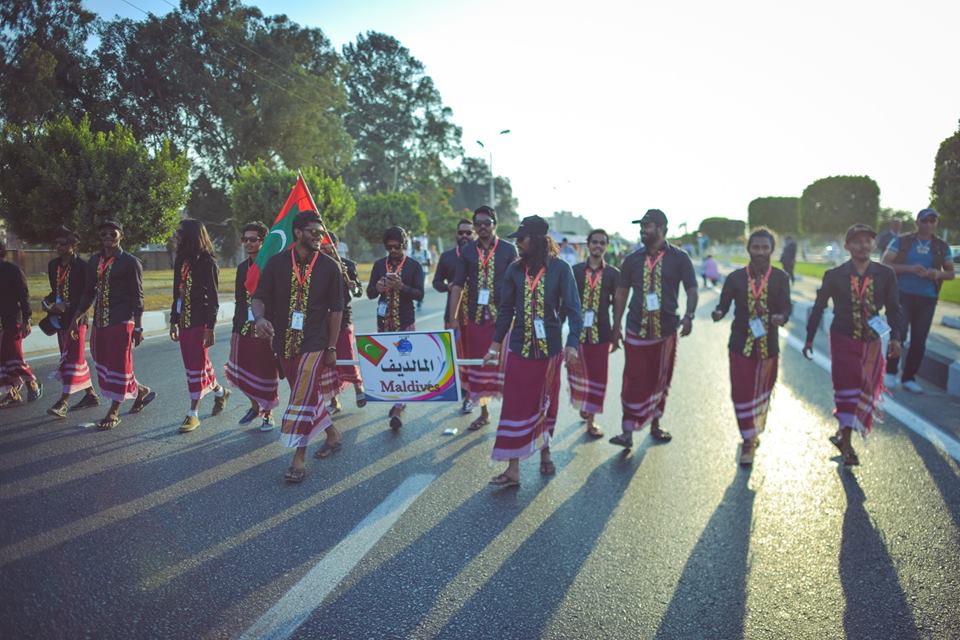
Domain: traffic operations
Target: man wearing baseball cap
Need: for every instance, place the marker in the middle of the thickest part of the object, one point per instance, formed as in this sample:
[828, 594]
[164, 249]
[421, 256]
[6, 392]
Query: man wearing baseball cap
[655, 274]
[860, 288]
[922, 262]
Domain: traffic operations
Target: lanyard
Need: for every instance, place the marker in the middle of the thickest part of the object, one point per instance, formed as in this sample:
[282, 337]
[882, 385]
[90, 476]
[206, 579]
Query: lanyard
[302, 281]
[483, 262]
[652, 264]
[102, 268]
[861, 290]
[758, 291]
[533, 283]
[62, 273]
[399, 266]
[594, 281]
[184, 272]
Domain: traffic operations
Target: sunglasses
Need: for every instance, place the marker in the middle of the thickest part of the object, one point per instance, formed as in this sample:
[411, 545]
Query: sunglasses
[250, 239]
[483, 223]
[393, 247]
[468, 232]
[112, 233]
[929, 219]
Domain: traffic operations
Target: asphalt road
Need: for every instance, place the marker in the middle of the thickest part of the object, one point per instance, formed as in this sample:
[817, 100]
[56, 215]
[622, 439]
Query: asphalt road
[145, 533]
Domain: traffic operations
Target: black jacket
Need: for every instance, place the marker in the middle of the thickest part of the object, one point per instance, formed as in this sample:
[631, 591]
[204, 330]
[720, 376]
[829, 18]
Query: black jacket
[124, 289]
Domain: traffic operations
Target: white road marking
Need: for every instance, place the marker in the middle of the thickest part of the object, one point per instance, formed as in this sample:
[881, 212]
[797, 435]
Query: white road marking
[911, 420]
[293, 609]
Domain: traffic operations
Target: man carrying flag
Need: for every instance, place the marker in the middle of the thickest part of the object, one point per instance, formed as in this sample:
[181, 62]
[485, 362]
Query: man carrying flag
[299, 304]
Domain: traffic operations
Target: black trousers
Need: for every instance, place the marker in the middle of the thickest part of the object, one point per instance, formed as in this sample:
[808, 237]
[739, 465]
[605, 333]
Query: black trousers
[917, 313]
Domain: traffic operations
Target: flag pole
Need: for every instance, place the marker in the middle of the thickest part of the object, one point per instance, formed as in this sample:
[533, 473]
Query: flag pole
[336, 254]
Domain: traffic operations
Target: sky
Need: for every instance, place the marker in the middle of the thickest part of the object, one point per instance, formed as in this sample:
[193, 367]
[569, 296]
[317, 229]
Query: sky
[692, 107]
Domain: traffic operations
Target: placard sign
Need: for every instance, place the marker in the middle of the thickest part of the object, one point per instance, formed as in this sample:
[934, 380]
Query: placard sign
[416, 366]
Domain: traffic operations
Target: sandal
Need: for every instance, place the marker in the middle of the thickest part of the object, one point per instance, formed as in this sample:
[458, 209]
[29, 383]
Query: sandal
[251, 415]
[108, 423]
[143, 401]
[361, 399]
[660, 435]
[837, 442]
[479, 423]
[86, 402]
[219, 402]
[10, 400]
[850, 458]
[59, 409]
[547, 468]
[622, 440]
[35, 394]
[594, 431]
[335, 407]
[504, 481]
[584, 415]
[328, 450]
[295, 476]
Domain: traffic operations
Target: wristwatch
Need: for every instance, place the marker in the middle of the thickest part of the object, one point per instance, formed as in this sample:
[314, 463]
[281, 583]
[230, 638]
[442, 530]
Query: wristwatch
[689, 316]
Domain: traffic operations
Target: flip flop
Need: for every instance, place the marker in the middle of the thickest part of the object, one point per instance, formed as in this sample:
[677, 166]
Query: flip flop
[478, 424]
[361, 400]
[622, 441]
[59, 410]
[108, 423]
[595, 432]
[660, 435]
[139, 403]
[547, 468]
[295, 476]
[86, 402]
[327, 450]
[32, 395]
[837, 442]
[851, 459]
[334, 407]
[395, 423]
[503, 480]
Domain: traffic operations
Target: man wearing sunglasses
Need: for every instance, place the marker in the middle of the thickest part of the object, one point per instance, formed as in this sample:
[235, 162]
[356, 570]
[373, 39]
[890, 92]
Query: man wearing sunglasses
[67, 274]
[114, 286]
[14, 327]
[251, 366]
[922, 262]
[397, 281]
[442, 279]
[480, 273]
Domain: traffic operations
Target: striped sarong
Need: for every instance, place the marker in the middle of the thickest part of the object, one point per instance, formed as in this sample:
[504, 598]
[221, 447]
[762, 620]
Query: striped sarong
[112, 351]
[751, 386]
[483, 382]
[253, 369]
[530, 403]
[201, 378]
[14, 370]
[73, 372]
[588, 380]
[346, 350]
[312, 385]
[857, 370]
[646, 378]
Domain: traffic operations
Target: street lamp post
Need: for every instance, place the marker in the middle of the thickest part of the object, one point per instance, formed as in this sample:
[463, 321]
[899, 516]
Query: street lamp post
[490, 166]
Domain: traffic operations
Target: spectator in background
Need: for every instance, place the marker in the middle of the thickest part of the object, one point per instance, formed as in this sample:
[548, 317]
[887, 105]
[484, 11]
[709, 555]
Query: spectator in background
[421, 254]
[788, 258]
[568, 254]
[893, 231]
[711, 272]
[922, 262]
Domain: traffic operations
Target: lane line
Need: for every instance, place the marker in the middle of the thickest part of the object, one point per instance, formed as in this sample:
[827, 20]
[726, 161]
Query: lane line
[293, 609]
[911, 420]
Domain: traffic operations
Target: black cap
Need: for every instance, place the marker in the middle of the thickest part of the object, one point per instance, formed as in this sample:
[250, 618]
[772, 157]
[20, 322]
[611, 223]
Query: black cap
[923, 214]
[531, 226]
[653, 215]
[110, 223]
[858, 229]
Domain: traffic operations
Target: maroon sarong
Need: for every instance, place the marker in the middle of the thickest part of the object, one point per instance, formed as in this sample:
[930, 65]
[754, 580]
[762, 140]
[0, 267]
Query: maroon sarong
[312, 385]
[73, 372]
[588, 380]
[112, 351]
[530, 403]
[857, 372]
[646, 378]
[253, 369]
[483, 382]
[751, 385]
[346, 350]
[201, 379]
[461, 353]
[14, 370]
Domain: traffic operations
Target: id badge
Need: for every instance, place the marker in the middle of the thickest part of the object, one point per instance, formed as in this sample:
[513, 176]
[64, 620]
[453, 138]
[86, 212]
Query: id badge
[179, 305]
[55, 322]
[879, 325]
[296, 320]
[249, 314]
[59, 300]
[756, 328]
[483, 296]
[539, 328]
[653, 302]
[382, 309]
[588, 318]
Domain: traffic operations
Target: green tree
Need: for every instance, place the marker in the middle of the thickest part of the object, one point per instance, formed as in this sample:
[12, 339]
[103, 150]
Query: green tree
[231, 84]
[945, 191]
[210, 204]
[723, 230]
[831, 205]
[381, 210]
[259, 191]
[397, 119]
[45, 71]
[782, 214]
[60, 173]
[472, 189]
[906, 218]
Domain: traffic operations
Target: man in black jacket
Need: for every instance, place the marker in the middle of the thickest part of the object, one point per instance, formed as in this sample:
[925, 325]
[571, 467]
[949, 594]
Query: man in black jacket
[14, 327]
[442, 279]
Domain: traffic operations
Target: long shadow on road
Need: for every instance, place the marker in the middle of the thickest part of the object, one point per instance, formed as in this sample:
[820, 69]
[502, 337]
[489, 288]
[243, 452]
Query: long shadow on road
[941, 473]
[710, 599]
[876, 605]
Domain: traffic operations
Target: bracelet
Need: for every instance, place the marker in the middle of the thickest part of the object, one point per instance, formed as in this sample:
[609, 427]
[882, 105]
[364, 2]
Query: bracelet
[493, 352]
[138, 329]
[329, 349]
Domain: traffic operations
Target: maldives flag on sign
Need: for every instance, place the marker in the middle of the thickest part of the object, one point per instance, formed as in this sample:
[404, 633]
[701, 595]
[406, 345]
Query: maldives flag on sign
[280, 236]
[370, 349]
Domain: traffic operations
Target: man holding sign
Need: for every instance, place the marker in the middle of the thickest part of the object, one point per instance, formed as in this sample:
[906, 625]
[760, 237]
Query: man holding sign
[762, 295]
[397, 281]
[655, 274]
[298, 304]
